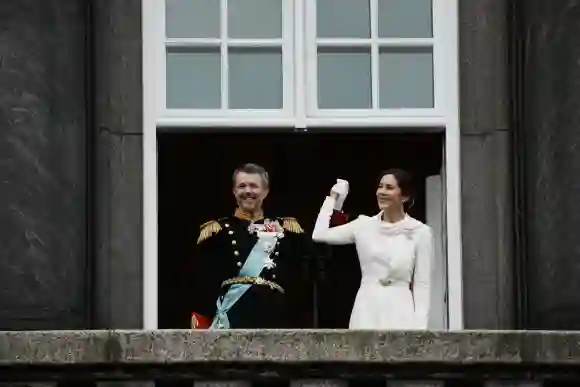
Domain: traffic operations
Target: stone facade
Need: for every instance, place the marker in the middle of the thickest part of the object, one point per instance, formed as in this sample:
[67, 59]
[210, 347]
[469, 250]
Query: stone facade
[44, 265]
[71, 163]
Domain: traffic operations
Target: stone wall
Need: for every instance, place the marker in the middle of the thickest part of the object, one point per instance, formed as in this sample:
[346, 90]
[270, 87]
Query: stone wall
[44, 266]
[314, 358]
[486, 174]
[118, 211]
[71, 164]
[550, 143]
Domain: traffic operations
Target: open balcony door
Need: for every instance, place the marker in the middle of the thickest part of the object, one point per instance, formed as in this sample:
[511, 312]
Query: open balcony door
[435, 217]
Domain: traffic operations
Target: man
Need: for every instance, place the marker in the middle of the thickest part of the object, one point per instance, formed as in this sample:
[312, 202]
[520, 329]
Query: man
[252, 269]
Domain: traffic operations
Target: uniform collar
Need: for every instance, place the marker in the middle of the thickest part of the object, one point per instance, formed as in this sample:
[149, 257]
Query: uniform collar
[245, 216]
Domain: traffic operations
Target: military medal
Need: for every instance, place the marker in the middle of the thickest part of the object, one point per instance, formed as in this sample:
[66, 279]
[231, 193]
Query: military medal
[269, 263]
[272, 231]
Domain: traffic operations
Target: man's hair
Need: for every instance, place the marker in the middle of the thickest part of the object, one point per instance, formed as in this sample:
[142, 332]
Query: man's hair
[254, 169]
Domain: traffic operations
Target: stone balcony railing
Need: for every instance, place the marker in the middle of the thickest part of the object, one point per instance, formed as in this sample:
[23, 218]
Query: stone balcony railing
[293, 358]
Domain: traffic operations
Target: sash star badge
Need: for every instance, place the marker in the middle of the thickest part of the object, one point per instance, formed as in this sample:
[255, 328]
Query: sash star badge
[269, 263]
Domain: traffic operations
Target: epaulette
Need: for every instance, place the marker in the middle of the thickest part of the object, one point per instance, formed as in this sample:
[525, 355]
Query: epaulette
[207, 229]
[292, 225]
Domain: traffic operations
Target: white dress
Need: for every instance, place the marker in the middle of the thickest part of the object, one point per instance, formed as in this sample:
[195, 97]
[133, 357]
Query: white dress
[395, 261]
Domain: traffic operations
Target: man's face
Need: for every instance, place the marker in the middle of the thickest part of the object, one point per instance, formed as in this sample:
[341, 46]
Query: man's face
[249, 191]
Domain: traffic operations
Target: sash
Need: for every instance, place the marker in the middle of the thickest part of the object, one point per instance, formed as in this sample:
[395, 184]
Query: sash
[252, 268]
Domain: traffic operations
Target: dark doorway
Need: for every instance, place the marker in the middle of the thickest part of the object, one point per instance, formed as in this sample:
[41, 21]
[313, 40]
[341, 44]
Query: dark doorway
[194, 172]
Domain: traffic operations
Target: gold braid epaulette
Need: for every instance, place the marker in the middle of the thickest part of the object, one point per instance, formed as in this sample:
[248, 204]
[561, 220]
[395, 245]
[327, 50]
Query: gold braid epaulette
[292, 225]
[208, 229]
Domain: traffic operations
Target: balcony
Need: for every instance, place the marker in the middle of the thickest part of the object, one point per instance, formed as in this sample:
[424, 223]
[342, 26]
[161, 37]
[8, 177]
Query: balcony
[294, 358]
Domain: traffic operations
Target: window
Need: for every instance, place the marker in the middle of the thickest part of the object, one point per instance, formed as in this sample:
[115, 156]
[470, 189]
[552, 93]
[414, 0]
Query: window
[224, 57]
[371, 57]
[300, 62]
[387, 64]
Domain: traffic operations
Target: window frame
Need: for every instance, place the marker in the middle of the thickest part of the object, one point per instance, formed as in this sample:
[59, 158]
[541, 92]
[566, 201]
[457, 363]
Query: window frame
[184, 117]
[446, 119]
[437, 43]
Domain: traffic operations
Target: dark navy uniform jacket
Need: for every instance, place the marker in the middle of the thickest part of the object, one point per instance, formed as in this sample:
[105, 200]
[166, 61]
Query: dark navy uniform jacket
[285, 301]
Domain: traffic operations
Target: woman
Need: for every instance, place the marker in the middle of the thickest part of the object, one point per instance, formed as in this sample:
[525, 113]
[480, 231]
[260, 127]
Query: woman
[395, 253]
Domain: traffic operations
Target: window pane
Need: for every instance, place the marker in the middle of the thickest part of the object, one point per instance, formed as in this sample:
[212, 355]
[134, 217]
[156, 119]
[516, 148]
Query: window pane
[343, 18]
[255, 78]
[344, 78]
[193, 78]
[406, 78]
[405, 19]
[192, 18]
[254, 18]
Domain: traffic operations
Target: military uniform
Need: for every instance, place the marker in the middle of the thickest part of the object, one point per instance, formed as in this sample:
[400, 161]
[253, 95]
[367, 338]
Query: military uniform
[279, 297]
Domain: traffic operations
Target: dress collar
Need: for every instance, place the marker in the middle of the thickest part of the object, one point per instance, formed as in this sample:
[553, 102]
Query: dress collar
[405, 225]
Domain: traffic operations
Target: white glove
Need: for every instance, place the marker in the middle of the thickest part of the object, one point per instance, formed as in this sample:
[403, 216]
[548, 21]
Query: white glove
[341, 190]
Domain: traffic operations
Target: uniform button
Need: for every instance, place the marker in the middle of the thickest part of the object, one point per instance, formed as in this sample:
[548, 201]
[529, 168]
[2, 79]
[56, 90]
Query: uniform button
[234, 242]
[276, 253]
[230, 232]
[227, 225]
[236, 253]
[239, 264]
[274, 276]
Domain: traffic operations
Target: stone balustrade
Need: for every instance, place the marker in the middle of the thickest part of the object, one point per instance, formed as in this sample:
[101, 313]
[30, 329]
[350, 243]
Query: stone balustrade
[305, 358]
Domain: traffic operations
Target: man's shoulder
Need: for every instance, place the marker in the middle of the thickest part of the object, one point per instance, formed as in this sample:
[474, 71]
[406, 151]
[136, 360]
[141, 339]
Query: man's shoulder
[211, 228]
[291, 224]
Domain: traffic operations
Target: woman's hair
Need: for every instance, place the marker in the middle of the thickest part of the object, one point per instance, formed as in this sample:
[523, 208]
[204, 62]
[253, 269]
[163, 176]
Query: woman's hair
[405, 182]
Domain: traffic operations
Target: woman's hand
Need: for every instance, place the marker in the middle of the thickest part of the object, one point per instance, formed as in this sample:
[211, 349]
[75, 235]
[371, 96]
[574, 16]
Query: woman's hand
[339, 192]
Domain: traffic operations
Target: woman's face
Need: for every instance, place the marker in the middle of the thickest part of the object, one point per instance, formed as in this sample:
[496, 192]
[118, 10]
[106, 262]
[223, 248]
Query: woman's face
[389, 193]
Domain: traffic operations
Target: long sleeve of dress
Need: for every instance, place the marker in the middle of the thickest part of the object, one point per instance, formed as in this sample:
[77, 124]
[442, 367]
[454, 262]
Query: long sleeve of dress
[340, 235]
[422, 276]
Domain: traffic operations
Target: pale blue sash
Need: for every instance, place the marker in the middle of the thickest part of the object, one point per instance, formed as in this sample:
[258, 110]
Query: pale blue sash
[251, 268]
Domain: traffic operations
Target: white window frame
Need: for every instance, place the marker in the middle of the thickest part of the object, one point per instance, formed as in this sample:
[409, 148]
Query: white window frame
[445, 117]
[187, 117]
[374, 43]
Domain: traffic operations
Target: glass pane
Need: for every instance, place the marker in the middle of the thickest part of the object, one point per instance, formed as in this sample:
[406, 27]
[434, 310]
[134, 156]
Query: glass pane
[255, 78]
[343, 18]
[406, 78]
[193, 78]
[405, 19]
[254, 18]
[192, 18]
[344, 78]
